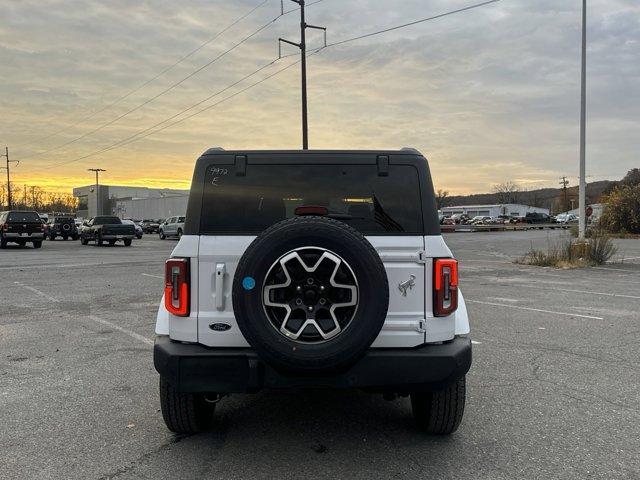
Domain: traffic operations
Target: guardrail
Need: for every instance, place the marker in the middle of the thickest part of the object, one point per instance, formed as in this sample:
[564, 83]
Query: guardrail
[503, 227]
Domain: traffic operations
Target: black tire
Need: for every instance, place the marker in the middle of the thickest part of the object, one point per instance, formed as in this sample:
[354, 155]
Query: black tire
[185, 413]
[99, 239]
[112, 243]
[179, 233]
[344, 349]
[65, 238]
[161, 235]
[127, 242]
[440, 412]
[37, 243]
[3, 243]
[84, 241]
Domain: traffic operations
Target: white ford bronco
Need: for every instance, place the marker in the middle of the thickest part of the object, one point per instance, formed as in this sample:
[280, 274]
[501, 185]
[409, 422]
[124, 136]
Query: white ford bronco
[312, 269]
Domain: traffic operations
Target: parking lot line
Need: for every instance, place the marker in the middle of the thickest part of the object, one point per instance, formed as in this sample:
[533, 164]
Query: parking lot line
[36, 291]
[534, 309]
[581, 291]
[135, 335]
[94, 318]
[153, 276]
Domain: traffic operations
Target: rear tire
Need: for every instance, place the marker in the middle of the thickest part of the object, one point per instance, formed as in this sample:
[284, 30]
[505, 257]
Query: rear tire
[127, 242]
[179, 233]
[84, 241]
[99, 240]
[440, 412]
[161, 235]
[37, 244]
[3, 243]
[185, 413]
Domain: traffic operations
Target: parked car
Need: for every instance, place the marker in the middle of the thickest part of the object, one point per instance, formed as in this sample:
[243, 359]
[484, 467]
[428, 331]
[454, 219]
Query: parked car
[61, 226]
[537, 217]
[480, 220]
[21, 227]
[460, 218]
[171, 227]
[106, 228]
[283, 281]
[150, 226]
[566, 218]
[139, 231]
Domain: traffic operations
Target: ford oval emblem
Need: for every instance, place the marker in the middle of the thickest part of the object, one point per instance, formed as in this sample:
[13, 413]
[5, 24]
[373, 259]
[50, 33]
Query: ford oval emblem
[220, 327]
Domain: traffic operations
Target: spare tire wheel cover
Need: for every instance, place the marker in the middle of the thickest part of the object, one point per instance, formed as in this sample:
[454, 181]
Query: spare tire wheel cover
[310, 294]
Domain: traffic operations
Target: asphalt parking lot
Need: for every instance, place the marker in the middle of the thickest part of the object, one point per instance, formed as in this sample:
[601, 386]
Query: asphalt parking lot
[553, 391]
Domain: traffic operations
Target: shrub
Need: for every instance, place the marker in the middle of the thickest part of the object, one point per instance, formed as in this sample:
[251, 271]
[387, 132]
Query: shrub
[565, 254]
[622, 210]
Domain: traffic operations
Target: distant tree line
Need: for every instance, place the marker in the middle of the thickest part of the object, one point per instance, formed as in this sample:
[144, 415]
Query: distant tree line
[30, 197]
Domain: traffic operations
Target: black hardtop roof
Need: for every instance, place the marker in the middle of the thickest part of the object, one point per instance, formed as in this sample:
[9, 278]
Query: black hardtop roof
[222, 151]
[20, 211]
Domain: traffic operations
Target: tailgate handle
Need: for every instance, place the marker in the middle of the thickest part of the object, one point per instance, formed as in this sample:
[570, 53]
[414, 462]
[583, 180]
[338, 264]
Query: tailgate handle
[220, 273]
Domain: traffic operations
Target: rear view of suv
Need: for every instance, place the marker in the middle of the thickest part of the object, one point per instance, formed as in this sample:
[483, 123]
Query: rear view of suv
[312, 269]
[62, 226]
[21, 228]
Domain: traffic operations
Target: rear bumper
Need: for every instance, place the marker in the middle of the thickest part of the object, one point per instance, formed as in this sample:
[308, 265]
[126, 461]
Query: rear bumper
[117, 237]
[195, 368]
[18, 236]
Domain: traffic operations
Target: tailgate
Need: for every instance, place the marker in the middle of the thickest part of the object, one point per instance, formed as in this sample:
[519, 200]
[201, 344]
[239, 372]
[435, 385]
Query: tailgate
[25, 227]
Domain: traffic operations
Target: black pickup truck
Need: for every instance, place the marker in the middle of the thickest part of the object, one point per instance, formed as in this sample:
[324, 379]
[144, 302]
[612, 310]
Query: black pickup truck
[105, 228]
[21, 227]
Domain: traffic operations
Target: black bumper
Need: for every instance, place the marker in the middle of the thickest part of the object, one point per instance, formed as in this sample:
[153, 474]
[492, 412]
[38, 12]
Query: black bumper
[195, 368]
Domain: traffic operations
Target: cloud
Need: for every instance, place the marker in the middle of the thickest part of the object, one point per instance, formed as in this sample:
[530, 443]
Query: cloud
[488, 95]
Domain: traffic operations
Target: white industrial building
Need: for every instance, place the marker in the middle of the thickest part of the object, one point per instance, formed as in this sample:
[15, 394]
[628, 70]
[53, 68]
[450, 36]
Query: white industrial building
[130, 202]
[513, 209]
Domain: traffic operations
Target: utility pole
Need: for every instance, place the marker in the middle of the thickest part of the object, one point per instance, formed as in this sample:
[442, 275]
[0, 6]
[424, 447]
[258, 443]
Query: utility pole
[303, 64]
[582, 219]
[17, 162]
[97, 170]
[564, 182]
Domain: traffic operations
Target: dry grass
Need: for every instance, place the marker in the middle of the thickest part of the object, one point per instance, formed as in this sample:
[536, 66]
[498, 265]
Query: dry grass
[598, 250]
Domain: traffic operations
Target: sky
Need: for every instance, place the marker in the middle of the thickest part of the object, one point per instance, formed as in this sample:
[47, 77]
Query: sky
[487, 95]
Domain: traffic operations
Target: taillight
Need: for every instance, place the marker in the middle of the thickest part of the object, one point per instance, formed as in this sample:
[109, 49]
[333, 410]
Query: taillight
[176, 286]
[445, 286]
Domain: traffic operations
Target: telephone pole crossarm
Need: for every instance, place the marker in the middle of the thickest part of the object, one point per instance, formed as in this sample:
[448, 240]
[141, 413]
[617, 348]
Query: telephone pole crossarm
[303, 64]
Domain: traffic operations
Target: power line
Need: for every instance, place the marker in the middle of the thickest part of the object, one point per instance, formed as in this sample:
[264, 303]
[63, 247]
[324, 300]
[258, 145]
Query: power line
[397, 27]
[163, 92]
[167, 69]
[137, 136]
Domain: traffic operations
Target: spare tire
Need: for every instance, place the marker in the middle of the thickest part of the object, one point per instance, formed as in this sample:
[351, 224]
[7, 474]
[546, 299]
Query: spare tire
[310, 294]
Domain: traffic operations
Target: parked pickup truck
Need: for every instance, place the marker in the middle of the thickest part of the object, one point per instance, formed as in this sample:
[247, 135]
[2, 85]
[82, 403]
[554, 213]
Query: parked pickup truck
[21, 227]
[106, 229]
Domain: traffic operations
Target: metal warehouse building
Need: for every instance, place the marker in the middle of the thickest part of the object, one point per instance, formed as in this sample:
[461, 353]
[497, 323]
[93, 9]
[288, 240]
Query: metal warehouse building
[130, 202]
[513, 209]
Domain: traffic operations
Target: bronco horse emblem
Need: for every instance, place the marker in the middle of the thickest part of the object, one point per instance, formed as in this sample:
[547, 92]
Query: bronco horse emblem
[407, 285]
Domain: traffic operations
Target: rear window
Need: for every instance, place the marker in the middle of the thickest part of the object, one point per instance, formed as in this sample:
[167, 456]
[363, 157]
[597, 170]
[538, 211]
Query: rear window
[64, 220]
[21, 217]
[106, 220]
[355, 194]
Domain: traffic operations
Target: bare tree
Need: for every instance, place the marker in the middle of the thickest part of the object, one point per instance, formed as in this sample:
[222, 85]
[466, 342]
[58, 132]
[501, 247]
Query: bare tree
[507, 192]
[442, 198]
